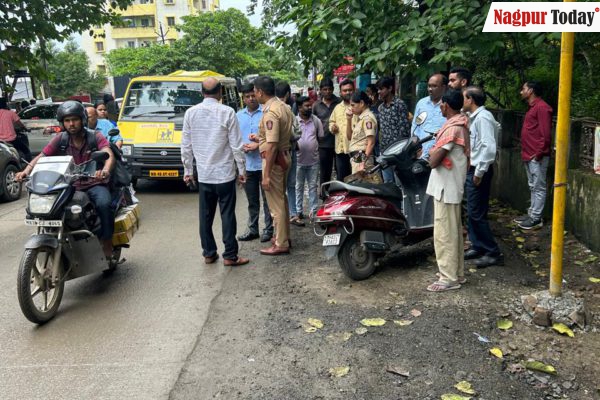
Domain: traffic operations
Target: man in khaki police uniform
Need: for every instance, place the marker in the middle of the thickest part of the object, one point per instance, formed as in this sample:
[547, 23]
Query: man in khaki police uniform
[275, 132]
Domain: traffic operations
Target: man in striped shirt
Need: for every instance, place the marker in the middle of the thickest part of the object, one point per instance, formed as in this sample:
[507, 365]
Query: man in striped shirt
[211, 135]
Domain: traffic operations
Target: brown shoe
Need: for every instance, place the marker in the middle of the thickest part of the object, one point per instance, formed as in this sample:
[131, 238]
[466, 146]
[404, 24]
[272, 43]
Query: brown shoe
[275, 251]
[211, 260]
[236, 262]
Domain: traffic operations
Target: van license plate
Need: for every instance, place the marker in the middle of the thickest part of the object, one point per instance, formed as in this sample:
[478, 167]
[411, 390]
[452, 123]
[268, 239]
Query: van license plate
[164, 174]
[332, 239]
[42, 222]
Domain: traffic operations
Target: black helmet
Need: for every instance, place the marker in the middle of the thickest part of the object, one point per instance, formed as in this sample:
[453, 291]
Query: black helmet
[71, 107]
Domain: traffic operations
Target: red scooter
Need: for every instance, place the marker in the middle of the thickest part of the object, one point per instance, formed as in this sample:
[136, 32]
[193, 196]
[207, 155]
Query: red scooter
[361, 222]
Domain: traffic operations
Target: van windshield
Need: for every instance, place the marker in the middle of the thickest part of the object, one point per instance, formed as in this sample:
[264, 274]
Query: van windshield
[161, 99]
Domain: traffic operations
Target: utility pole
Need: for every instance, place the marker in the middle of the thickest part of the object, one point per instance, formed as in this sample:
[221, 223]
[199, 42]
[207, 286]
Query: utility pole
[161, 33]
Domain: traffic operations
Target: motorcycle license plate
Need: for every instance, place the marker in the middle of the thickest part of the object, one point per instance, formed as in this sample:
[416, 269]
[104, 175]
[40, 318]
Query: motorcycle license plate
[164, 174]
[43, 222]
[332, 239]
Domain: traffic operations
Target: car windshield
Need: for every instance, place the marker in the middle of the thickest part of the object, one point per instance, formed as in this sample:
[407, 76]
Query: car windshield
[157, 99]
[42, 111]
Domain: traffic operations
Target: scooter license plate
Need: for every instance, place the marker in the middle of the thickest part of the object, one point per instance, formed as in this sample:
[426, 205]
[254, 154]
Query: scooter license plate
[332, 239]
[42, 222]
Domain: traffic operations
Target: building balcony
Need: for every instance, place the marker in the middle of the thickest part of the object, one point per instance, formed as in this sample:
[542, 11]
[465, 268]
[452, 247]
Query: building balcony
[139, 32]
[136, 10]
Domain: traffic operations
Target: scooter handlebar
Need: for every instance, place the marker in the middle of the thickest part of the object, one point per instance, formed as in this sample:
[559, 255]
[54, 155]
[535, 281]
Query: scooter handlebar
[426, 139]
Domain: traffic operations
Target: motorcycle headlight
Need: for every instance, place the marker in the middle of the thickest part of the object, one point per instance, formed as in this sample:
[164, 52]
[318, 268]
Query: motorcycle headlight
[127, 150]
[41, 204]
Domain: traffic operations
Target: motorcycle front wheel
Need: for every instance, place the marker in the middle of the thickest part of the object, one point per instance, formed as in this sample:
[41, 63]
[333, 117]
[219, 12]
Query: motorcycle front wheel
[39, 297]
[356, 262]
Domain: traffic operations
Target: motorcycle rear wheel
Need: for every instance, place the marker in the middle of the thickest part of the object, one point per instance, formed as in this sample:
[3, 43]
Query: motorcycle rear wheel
[38, 297]
[356, 262]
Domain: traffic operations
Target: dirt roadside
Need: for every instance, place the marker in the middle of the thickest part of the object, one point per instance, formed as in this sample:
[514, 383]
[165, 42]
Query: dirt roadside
[255, 345]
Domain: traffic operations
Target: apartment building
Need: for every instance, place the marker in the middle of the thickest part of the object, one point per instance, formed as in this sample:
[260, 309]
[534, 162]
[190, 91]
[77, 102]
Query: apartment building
[144, 22]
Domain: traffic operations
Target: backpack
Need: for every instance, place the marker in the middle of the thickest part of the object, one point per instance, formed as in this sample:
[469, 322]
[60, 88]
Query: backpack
[120, 175]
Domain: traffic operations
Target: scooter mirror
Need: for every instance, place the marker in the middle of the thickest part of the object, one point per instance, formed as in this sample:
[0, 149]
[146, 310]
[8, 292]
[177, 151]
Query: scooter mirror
[113, 132]
[99, 156]
[420, 119]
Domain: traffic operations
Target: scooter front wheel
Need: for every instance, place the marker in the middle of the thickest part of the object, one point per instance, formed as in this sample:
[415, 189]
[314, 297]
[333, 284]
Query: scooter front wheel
[356, 262]
[39, 297]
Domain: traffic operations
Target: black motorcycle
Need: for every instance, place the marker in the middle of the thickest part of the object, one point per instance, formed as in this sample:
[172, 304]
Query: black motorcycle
[65, 245]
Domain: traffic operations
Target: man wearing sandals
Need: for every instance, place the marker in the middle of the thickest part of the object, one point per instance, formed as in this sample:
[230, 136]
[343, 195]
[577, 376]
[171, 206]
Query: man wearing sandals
[448, 159]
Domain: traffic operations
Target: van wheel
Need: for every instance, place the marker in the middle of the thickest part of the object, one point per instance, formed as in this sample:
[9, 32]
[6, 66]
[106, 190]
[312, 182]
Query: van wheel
[356, 262]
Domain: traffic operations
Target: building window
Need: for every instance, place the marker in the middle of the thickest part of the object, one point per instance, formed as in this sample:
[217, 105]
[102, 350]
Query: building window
[146, 1]
[170, 2]
[145, 22]
[204, 4]
[170, 21]
[99, 47]
[131, 44]
[128, 22]
[101, 69]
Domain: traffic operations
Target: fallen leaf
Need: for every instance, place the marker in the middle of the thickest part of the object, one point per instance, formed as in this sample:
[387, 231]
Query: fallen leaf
[520, 239]
[594, 280]
[373, 322]
[482, 339]
[580, 263]
[339, 336]
[496, 352]
[395, 294]
[465, 387]
[361, 330]
[415, 313]
[541, 367]
[504, 324]
[541, 273]
[563, 329]
[331, 301]
[403, 322]
[472, 270]
[398, 371]
[338, 372]
[591, 259]
[310, 329]
[520, 246]
[317, 323]
[452, 396]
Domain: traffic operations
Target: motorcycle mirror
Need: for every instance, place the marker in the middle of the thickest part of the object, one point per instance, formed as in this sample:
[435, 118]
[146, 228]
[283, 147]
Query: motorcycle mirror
[99, 156]
[113, 132]
[420, 119]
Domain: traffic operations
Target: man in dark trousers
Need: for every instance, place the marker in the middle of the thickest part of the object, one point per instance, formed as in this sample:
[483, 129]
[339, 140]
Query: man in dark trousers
[536, 138]
[322, 109]
[483, 130]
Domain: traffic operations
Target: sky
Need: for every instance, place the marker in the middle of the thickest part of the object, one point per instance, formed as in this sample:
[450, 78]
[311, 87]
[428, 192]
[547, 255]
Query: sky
[242, 5]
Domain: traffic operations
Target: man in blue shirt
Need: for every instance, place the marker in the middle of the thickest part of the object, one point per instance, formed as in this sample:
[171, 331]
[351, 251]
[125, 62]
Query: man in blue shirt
[436, 86]
[249, 118]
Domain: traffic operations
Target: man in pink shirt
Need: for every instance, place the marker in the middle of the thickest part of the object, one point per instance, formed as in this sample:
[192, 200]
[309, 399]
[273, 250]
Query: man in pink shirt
[9, 120]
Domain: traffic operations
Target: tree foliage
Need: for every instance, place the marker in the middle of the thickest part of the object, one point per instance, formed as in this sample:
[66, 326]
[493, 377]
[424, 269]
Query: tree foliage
[223, 41]
[25, 23]
[69, 73]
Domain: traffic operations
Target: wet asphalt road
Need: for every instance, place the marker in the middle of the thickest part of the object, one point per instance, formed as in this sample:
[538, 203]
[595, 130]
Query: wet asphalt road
[123, 336]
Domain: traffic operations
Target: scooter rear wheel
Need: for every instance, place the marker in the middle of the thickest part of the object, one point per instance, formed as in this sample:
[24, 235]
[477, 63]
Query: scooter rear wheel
[356, 262]
[38, 297]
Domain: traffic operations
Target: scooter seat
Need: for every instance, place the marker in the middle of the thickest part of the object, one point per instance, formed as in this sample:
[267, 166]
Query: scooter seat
[388, 190]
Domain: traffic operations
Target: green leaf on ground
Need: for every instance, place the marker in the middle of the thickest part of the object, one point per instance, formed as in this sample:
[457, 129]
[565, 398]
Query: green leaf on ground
[452, 396]
[331, 301]
[339, 372]
[580, 263]
[594, 280]
[361, 330]
[504, 324]
[541, 367]
[563, 329]
[317, 323]
[373, 322]
[520, 239]
[403, 322]
[497, 352]
[591, 259]
[465, 387]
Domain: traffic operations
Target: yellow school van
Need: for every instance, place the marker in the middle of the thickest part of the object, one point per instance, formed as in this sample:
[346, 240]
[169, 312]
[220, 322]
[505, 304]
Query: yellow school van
[151, 120]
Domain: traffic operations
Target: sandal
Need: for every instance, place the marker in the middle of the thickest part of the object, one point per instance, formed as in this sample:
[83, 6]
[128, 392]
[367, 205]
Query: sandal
[461, 279]
[442, 286]
[297, 221]
[234, 263]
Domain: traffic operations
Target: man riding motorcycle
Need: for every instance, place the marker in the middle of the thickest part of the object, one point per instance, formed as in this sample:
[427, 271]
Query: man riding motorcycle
[80, 144]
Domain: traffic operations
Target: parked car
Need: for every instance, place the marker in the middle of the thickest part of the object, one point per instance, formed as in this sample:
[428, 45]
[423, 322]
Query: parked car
[39, 117]
[10, 189]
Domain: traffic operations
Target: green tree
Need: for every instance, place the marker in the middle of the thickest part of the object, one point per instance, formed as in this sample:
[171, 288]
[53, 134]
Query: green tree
[157, 59]
[69, 73]
[26, 23]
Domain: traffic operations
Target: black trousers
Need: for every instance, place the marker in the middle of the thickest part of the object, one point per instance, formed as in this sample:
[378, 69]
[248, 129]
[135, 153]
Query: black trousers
[222, 194]
[478, 202]
[254, 191]
[326, 156]
[342, 166]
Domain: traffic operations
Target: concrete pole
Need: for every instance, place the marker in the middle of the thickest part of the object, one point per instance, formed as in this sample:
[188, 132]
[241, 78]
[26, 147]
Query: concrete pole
[560, 173]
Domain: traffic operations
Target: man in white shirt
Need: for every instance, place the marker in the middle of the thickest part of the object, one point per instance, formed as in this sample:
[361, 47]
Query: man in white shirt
[211, 135]
[483, 135]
